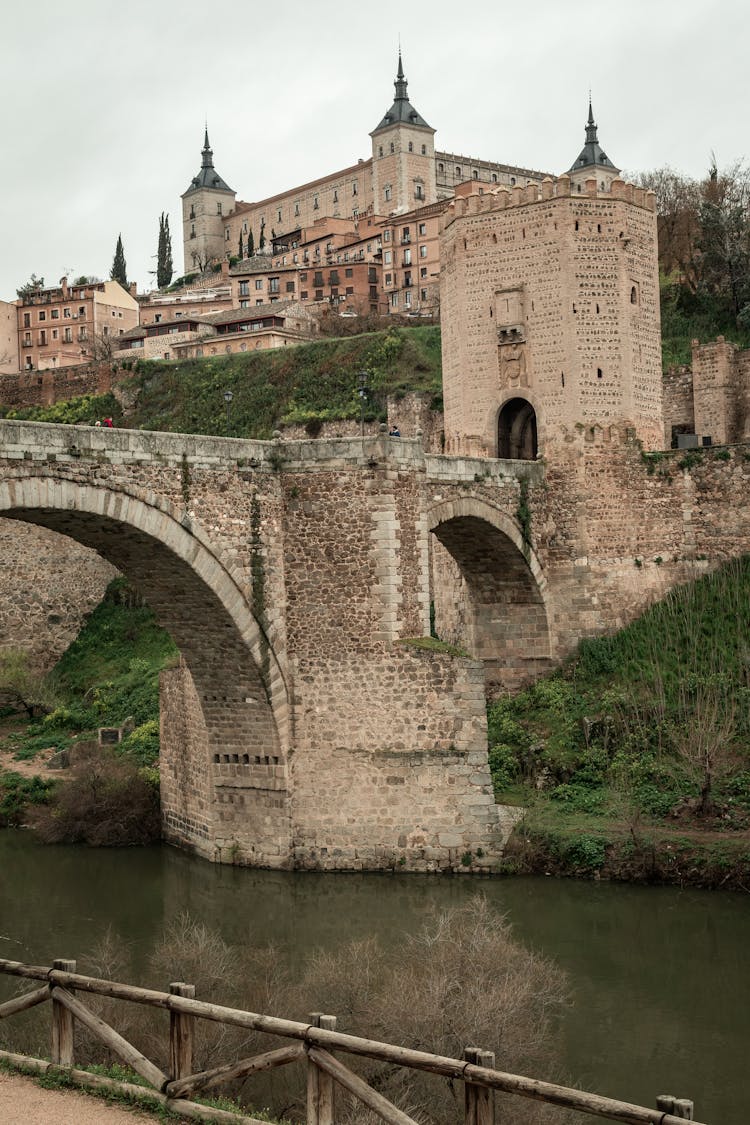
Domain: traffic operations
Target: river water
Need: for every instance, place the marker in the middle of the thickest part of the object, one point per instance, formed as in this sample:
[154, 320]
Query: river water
[660, 976]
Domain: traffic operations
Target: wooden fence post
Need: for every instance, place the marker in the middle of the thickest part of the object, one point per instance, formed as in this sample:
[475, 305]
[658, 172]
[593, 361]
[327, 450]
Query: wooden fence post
[472, 1055]
[320, 1086]
[678, 1107]
[485, 1096]
[63, 1024]
[181, 1033]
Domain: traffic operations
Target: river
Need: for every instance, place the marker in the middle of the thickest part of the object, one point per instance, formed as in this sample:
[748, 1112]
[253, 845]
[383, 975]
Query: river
[659, 975]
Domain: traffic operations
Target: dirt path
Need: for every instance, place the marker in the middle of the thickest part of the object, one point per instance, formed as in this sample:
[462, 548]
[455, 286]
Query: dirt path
[23, 1102]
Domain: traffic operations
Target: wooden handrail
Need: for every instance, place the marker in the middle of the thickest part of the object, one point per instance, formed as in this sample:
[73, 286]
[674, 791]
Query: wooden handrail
[319, 1041]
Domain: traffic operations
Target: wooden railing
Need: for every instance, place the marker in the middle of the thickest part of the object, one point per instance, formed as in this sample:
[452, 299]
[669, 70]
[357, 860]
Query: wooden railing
[313, 1043]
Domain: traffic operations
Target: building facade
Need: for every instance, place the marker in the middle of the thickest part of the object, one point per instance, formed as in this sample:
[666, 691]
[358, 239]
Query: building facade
[67, 325]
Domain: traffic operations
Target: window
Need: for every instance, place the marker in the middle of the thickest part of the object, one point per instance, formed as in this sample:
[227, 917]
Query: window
[27, 340]
[392, 147]
[458, 170]
[494, 177]
[157, 318]
[259, 283]
[418, 191]
[296, 208]
[512, 181]
[273, 285]
[226, 234]
[386, 236]
[290, 286]
[424, 150]
[244, 304]
[411, 147]
[335, 196]
[55, 333]
[475, 174]
[66, 314]
[423, 294]
[55, 314]
[82, 332]
[355, 189]
[349, 272]
[407, 299]
[407, 257]
[441, 167]
[82, 312]
[278, 215]
[27, 320]
[43, 337]
[349, 290]
[318, 279]
[218, 208]
[303, 295]
[380, 150]
[192, 213]
[423, 271]
[387, 193]
[387, 257]
[388, 278]
[423, 228]
[42, 315]
[316, 204]
[405, 235]
[394, 299]
[318, 294]
[244, 288]
[303, 276]
[423, 251]
[192, 232]
[68, 336]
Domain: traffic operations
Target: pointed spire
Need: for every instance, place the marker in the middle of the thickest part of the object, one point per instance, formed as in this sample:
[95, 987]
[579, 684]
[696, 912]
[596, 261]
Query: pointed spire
[208, 156]
[591, 137]
[400, 82]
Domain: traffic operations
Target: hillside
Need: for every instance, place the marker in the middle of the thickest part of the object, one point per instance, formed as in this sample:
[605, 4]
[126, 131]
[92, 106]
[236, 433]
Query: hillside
[308, 384]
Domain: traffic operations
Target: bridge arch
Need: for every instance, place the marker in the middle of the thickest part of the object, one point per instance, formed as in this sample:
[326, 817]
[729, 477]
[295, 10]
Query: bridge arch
[489, 591]
[225, 728]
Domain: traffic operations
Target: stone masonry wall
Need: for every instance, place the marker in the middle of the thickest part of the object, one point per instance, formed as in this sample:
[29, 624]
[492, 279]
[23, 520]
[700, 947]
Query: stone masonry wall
[45, 388]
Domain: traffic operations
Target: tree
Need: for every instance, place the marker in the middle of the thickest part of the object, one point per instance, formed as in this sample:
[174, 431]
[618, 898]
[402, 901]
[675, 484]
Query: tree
[240, 248]
[119, 271]
[724, 243]
[262, 241]
[250, 244]
[164, 269]
[33, 285]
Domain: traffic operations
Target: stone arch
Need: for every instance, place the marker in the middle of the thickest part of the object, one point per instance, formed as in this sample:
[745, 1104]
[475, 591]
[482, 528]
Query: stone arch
[225, 726]
[517, 437]
[489, 591]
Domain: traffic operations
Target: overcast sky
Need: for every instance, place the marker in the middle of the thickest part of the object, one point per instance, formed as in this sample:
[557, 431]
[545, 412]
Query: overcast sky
[104, 104]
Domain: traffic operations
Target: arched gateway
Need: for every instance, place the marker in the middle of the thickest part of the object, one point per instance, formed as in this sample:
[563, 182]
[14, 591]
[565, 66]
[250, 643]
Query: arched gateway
[489, 591]
[223, 762]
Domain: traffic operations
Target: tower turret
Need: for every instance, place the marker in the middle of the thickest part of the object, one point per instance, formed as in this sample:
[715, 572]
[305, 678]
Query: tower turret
[403, 152]
[592, 161]
[205, 205]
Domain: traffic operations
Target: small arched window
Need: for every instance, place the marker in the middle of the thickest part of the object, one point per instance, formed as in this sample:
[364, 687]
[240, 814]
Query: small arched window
[634, 295]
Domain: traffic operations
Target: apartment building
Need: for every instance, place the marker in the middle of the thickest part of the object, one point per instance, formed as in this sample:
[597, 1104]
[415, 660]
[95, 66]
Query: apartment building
[70, 324]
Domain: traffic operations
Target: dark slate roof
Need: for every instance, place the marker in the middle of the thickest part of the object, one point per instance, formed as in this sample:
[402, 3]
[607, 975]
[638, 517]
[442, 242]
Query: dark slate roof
[402, 110]
[592, 154]
[208, 177]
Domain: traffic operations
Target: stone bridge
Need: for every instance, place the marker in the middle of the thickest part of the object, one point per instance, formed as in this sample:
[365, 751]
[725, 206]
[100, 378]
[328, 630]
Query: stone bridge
[302, 727]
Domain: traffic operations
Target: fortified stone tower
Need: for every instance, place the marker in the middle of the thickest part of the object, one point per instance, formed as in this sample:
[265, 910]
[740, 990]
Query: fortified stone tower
[403, 156]
[550, 315]
[205, 205]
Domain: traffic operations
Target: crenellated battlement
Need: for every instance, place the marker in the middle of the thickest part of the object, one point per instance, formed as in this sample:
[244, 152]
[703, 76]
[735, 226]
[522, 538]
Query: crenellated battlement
[472, 199]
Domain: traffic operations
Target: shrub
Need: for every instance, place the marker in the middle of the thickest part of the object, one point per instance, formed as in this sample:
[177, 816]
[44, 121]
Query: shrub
[107, 802]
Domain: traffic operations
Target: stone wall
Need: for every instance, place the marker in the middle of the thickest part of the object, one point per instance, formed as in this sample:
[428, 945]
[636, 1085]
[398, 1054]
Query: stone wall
[48, 584]
[45, 388]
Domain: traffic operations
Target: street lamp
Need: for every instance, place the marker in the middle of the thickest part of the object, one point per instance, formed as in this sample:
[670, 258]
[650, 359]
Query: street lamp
[362, 391]
[228, 396]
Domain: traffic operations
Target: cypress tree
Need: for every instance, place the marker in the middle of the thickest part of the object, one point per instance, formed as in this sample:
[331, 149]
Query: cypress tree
[250, 244]
[262, 242]
[119, 271]
[239, 248]
[164, 267]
